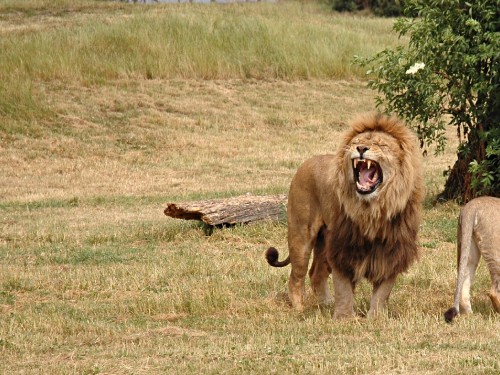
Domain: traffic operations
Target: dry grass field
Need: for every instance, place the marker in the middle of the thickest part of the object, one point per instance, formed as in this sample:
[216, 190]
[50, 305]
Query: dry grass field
[95, 279]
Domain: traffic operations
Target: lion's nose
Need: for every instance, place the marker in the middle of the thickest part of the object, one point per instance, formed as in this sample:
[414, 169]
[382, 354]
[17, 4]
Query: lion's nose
[362, 150]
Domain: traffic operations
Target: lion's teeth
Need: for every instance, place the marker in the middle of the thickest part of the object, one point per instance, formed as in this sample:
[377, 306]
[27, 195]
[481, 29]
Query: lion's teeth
[356, 163]
[369, 162]
[359, 185]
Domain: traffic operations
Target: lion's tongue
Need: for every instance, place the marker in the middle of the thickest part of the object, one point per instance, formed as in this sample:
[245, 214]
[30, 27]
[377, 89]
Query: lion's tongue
[367, 176]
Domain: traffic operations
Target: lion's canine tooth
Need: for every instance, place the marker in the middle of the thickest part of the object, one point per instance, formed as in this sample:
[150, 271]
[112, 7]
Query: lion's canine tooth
[356, 162]
[359, 186]
[369, 162]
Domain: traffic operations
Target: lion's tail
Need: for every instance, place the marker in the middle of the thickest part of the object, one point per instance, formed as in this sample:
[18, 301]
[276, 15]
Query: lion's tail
[272, 256]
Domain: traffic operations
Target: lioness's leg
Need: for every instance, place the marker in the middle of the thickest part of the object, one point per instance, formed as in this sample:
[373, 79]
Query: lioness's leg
[320, 270]
[494, 268]
[494, 295]
[381, 292]
[472, 262]
[344, 295]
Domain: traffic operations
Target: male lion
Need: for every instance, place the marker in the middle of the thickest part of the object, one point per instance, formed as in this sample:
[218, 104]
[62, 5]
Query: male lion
[359, 210]
[477, 235]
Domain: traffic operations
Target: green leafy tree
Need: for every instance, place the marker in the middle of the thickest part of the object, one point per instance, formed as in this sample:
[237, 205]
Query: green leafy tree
[387, 8]
[448, 73]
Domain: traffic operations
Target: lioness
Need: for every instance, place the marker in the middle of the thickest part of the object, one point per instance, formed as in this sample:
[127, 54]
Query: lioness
[477, 235]
[359, 210]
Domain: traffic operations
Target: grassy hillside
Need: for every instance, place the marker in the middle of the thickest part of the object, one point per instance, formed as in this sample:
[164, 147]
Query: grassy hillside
[288, 41]
[108, 111]
[88, 43]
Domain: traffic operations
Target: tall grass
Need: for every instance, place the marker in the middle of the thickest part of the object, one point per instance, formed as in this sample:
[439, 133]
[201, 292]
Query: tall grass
[288, 40]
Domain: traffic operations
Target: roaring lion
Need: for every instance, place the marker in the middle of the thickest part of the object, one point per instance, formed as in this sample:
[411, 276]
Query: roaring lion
[477, 234]
[359, 210]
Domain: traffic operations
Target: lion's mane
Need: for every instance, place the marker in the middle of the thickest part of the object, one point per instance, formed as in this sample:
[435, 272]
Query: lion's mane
[377, 239]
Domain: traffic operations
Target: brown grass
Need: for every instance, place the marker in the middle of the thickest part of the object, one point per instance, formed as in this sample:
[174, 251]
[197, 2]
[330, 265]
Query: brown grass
[162, 137]
[95, 279]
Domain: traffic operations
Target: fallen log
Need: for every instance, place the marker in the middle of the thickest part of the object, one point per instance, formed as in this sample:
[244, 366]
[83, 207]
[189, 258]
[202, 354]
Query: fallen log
[229, 211]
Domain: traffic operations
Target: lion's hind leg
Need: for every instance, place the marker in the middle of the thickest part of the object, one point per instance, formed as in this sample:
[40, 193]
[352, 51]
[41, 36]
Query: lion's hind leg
[320, 271]
[300, 244]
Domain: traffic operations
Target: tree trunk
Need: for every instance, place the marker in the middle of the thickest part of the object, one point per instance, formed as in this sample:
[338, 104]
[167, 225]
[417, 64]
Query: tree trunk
[458, 185]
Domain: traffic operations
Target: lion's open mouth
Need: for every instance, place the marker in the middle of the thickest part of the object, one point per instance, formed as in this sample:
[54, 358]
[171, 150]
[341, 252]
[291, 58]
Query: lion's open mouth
[367, 175]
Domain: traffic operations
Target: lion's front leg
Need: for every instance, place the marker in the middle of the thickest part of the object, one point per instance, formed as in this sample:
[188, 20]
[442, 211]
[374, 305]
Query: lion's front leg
[381, 292]
[344, 296]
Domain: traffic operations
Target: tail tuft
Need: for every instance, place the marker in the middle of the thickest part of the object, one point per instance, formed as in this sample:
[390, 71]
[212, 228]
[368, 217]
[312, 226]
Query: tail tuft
[272, 256]
[450, 314]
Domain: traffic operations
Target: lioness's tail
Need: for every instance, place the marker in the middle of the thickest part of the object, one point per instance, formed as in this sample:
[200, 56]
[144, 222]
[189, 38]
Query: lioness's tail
[464, 238]
[450, 314]
[272, 256]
